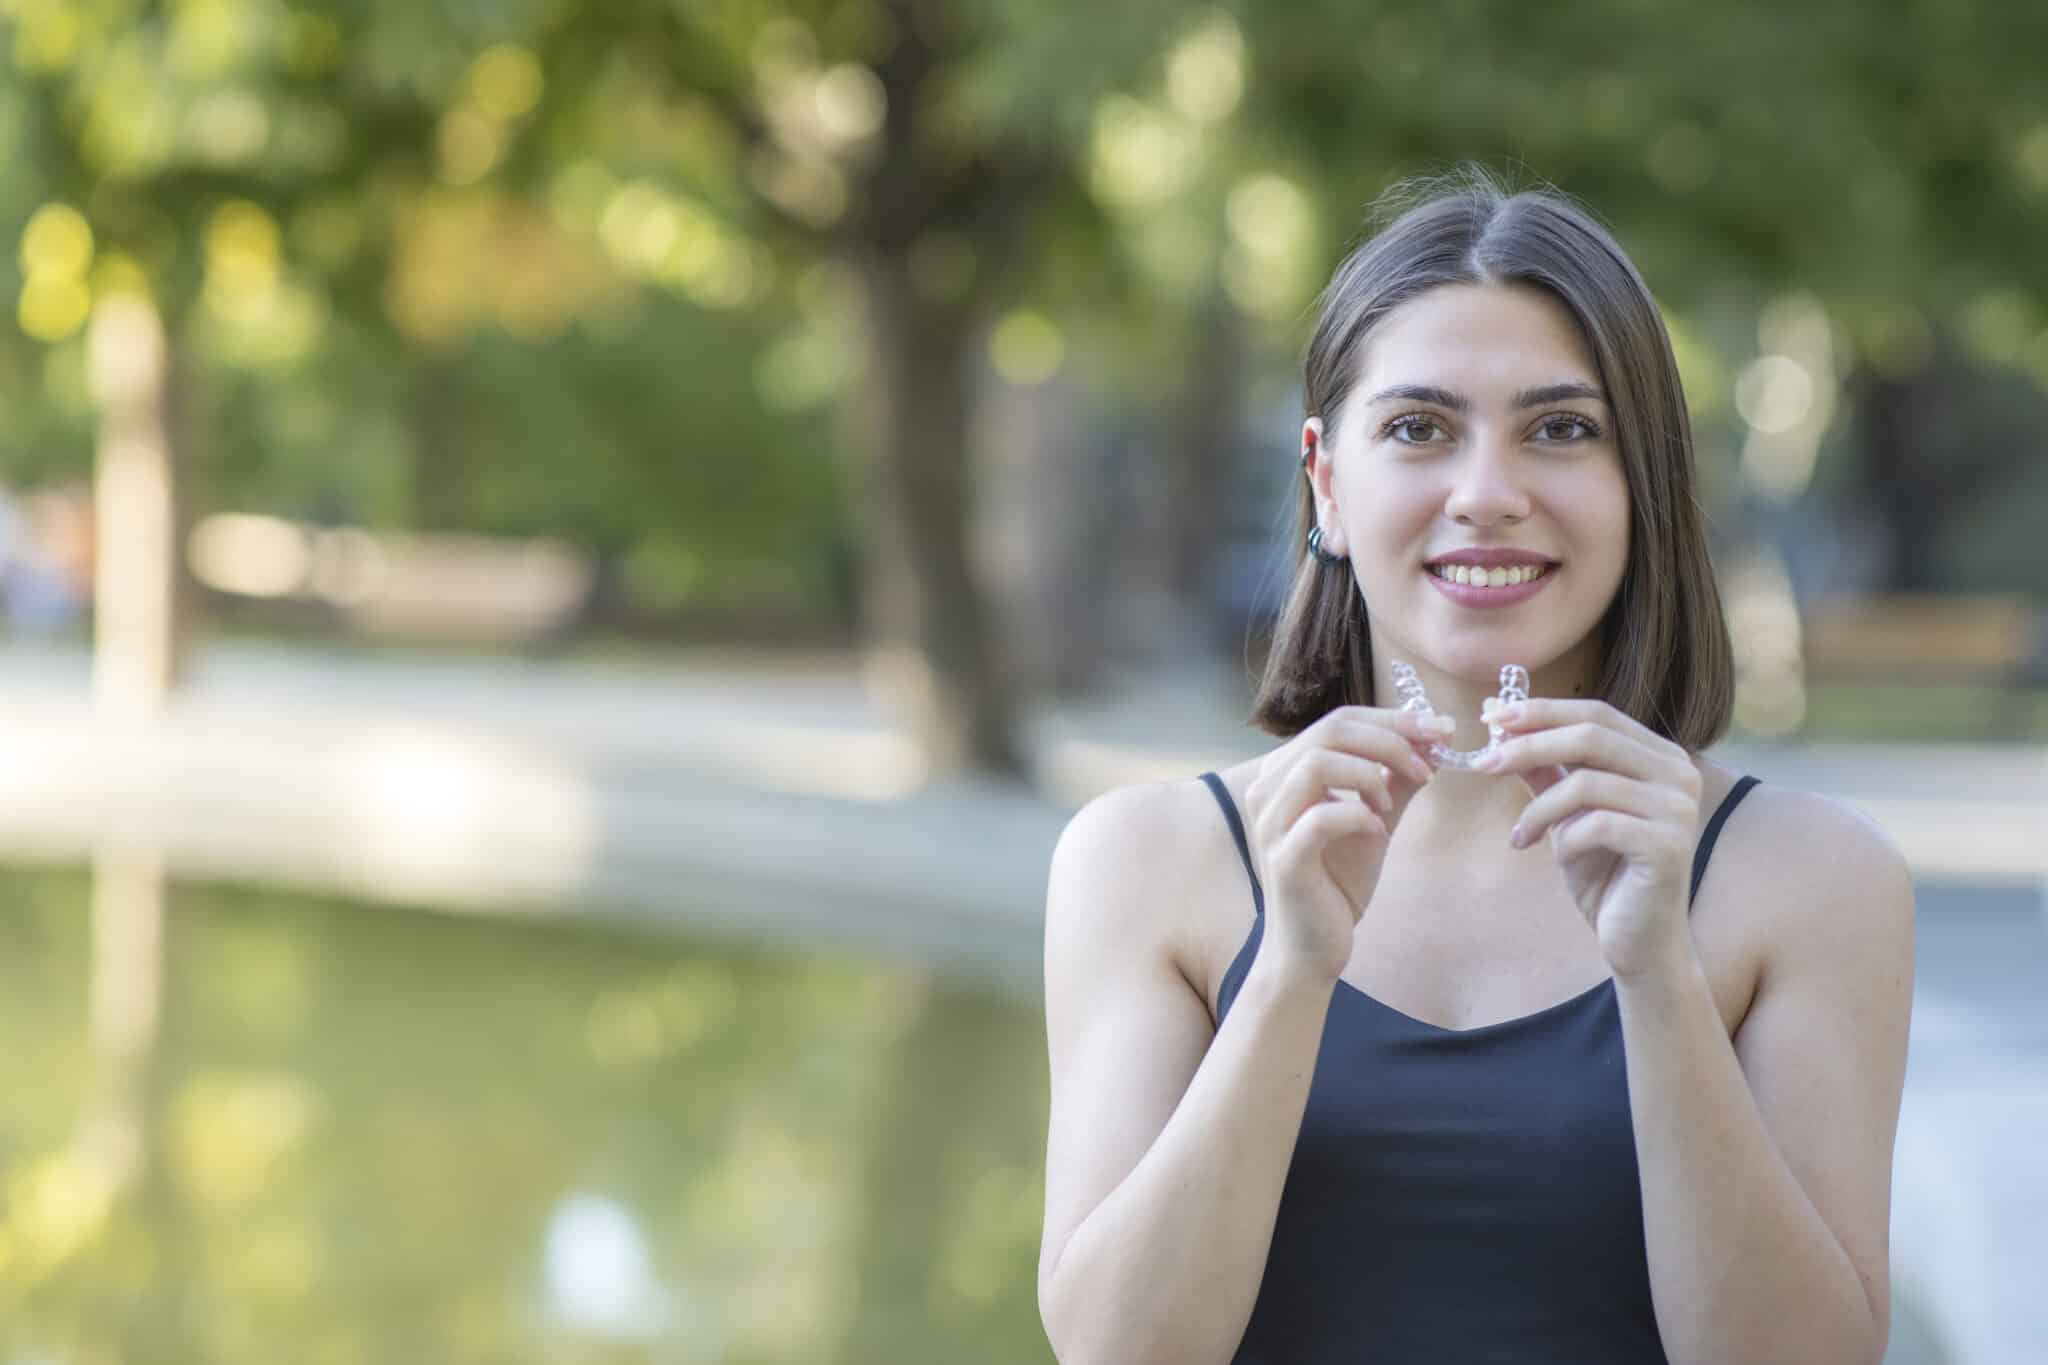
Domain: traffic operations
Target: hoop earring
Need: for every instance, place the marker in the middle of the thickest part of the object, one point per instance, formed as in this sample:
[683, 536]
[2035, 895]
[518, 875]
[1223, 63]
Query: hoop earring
[1315, 547]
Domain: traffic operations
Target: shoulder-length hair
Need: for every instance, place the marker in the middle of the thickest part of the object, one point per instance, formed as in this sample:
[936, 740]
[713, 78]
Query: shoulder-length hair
[1667, 657]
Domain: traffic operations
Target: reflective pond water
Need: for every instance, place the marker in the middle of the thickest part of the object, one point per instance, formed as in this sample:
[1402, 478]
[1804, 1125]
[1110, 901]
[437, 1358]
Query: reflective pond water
[355, 1133]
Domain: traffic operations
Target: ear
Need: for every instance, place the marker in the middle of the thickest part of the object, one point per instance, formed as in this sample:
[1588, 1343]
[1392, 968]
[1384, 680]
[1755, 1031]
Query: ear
[1315, 452]
[1312, 443]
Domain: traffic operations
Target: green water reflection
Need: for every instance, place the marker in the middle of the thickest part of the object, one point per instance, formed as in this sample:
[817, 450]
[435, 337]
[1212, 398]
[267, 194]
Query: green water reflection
[363, 1127]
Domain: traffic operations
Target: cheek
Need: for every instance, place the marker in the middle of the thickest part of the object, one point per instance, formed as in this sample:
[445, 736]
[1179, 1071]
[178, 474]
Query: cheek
[1393, 510]
[1597, 507]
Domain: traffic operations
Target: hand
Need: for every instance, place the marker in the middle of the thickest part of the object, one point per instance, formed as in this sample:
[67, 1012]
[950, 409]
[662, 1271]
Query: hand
[1620, 804]
[1319, 853]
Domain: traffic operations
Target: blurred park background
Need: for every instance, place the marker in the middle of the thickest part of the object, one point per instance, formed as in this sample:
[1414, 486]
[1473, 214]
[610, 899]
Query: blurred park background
[563, 565]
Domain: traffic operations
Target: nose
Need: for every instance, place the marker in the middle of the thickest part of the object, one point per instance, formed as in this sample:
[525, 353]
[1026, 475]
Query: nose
[1486, 484]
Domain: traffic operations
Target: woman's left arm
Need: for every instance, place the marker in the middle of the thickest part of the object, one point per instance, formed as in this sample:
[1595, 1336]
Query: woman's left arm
[1766, 1162]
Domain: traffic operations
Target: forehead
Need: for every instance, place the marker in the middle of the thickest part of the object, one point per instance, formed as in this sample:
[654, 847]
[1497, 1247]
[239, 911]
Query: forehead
[1484, 341]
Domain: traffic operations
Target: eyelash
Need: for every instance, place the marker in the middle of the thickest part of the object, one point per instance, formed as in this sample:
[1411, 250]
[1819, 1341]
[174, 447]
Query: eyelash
[1592, 428]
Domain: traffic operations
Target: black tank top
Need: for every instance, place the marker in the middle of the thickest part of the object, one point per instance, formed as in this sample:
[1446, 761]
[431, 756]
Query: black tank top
[1459, 1195]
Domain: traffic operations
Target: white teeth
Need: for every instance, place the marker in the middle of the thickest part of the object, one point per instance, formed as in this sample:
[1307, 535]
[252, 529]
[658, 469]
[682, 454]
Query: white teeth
[1488, 578]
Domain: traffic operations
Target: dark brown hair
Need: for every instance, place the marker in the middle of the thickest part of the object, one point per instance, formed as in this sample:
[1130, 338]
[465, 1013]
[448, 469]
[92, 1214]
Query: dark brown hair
[1667, 658]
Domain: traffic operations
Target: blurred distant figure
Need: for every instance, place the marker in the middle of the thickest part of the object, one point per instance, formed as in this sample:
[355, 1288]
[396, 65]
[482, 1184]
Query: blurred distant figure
[45, 558]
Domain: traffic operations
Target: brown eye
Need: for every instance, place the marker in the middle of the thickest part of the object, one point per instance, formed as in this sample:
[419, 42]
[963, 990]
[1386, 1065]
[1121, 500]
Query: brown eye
[1568, 421]
[1405, 423]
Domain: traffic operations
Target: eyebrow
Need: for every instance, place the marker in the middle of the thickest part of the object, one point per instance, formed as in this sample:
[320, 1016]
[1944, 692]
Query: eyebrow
[1457, 402]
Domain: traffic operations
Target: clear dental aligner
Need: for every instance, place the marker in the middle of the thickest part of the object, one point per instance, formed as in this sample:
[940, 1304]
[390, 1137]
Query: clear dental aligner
[1514, 686]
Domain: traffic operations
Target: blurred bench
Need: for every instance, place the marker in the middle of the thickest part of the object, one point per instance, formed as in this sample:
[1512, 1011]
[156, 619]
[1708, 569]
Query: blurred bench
[382, 583]
[1988, 639]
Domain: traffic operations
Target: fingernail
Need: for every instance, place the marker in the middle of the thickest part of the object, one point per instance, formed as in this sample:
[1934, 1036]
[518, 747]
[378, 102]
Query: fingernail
[1443, 725]
[1516, 838]
[1510, 713]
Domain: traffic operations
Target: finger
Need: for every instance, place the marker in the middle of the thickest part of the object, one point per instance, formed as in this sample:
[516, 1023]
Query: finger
[1584, 789]
[1416, 726]
[1584, 744]
[1589, 789]
[1544, 713]
[1329, 821]
[1295, 789]
[1539, 780]
[1632, 838]
[1343, 730]
[1315, 774]
[1369, 777]
[1402, 746]
[1365, 740]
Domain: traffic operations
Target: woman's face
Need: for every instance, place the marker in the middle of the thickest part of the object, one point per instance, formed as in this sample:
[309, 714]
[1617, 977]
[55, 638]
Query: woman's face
[1485, 461]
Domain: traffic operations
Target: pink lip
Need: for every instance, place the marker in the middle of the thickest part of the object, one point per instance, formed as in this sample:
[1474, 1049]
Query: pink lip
[1468, 596]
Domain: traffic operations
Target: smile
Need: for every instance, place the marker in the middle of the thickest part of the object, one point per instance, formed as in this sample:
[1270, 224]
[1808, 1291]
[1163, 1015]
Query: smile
[1486, 595]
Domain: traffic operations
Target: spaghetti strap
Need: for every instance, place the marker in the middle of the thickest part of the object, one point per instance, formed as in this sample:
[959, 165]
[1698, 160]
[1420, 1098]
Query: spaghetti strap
[1713, 832]
[1237, 832]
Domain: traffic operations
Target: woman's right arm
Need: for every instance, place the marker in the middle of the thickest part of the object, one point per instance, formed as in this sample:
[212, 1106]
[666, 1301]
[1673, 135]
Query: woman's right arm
[1169, 1139]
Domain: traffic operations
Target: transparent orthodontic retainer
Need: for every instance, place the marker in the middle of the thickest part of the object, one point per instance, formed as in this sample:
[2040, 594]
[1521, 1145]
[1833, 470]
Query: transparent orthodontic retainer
[1514, 686]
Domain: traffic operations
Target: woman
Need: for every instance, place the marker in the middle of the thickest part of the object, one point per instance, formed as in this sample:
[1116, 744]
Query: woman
[1360, 1055]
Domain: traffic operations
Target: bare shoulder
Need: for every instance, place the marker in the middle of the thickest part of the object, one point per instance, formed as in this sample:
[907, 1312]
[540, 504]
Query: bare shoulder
[1121, 877]
[1164, 852]
[1816, 887]
[1792, 873]
[1831, 868]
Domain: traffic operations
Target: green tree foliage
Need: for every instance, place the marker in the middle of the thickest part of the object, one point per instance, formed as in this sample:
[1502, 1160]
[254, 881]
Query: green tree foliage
[594, 269]
[407, 287]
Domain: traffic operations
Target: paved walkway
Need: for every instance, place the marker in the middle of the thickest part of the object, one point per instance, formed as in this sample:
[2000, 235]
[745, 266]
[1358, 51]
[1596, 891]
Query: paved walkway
[1970, 1164]
[770, 798]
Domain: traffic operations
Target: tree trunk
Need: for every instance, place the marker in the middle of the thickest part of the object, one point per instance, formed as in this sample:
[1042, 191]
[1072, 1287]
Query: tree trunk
[1936, 444]
[138, 634]
[439, 477]
[1910, 509]
[1202, 482]
[924, 614]
[1202, 457]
